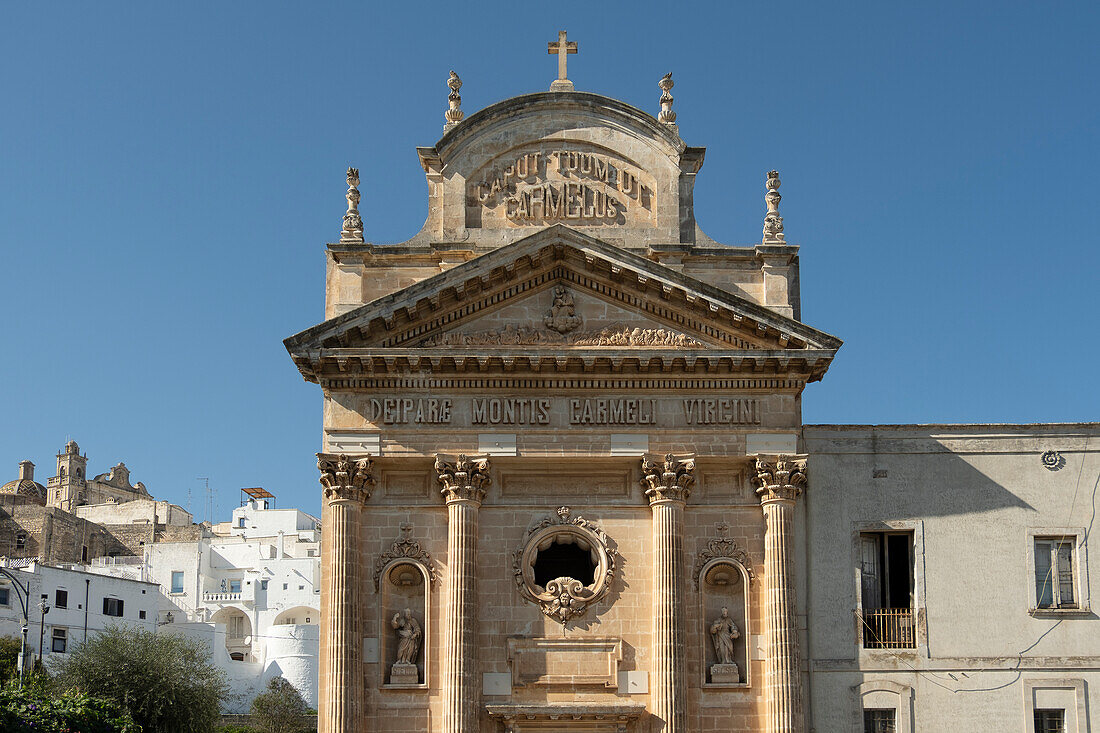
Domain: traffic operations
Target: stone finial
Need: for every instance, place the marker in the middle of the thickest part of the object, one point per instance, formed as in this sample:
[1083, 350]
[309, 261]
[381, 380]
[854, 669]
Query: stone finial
[465, 477]
[668, 477]
[344, 478]
[666, 115]
[454, 113]
[353, 223]
[779, 477]
[773, 222]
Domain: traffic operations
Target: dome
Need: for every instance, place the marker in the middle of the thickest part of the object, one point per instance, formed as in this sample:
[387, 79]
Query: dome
[25, 485]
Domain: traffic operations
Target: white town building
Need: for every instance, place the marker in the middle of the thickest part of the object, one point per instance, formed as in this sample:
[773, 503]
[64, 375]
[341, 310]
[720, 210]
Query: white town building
[250, 589]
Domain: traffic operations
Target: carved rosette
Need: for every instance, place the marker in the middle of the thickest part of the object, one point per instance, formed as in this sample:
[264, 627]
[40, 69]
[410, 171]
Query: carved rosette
[721, 548]
[466, 478]
[668, 477]
[779, 478]
[564, 598]
[353, 223]
[345, 478]
[404, 548]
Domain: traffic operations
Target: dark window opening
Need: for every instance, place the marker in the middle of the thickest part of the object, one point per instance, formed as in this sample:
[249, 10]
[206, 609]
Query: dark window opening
[886, 590]
[61, 599]
[1050, 721]
[84, 554]
[141, 614]
[60, 638]
[879, 721]
[20, 541]
[112, 607]
[564, 561]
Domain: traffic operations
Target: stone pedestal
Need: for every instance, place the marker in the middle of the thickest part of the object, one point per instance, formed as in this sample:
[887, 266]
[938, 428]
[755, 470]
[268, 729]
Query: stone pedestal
[464, 482]
[404, 674]
[668, 481]
[725, 674]
[779, 482]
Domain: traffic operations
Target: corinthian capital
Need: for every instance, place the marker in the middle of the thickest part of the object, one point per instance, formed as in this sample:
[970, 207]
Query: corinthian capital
[780, 477]
[344, 478]
[668, 477]
[464, 477]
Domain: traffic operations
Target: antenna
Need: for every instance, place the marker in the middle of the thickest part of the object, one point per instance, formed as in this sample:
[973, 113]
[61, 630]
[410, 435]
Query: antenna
[207, 499]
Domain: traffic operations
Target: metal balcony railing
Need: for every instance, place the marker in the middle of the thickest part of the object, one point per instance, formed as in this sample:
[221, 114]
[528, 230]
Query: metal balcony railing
[889, 628]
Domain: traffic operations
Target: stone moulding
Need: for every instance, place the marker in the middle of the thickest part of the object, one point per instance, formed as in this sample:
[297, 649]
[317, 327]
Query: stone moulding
[562, 599]
[553, 662]
[717, 549]
[613, 335]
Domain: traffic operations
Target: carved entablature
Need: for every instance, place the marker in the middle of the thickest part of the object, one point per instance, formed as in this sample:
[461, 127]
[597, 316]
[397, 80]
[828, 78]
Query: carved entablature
[464, 478]
[345, 478]
[668, 477]
[404, 549]
[781, 477]
[721, 548]
[564, 598]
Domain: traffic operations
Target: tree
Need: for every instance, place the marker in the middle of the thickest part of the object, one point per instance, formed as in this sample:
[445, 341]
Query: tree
[166, 682]
[30, 710]
[280, 709]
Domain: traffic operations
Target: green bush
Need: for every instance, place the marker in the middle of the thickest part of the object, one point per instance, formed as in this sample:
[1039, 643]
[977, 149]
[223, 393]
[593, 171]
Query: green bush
[234, 729]
[165, 682]
[30, 711]
[9, 654]
[279, 709]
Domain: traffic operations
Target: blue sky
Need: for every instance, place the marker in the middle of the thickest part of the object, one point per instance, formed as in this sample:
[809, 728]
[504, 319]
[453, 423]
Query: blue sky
[170, 172]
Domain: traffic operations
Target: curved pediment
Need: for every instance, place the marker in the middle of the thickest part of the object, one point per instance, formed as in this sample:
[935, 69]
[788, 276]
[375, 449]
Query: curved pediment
[584, 160]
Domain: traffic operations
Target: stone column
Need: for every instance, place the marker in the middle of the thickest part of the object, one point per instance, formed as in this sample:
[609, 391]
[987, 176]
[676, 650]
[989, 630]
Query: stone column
[347, 486]
[464, 482]
[668, 481]
[779, 481]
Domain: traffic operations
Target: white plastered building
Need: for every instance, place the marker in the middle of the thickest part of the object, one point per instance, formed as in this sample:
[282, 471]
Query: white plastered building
[250, 589]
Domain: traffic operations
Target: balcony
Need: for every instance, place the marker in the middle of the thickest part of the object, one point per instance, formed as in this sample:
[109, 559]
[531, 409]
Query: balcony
[889, 628]
[220, 597]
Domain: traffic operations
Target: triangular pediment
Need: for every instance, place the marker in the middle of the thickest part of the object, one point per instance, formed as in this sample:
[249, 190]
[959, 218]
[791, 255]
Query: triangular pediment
[505, 300]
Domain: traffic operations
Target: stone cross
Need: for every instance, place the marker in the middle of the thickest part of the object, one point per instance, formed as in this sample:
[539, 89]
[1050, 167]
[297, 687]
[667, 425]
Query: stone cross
[561, 48]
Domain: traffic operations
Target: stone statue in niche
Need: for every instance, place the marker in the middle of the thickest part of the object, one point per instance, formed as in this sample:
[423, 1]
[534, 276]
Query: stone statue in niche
[722, 632]
[404, 670]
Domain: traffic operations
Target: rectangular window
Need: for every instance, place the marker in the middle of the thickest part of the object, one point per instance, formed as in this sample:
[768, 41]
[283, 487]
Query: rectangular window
[240, 522]
[886, 590]
[60, 637]
[84, 554]
[236, 627]
[20, 541]
[112, 607]
[263, 585]
[879, 721]
[61, 598]
[141, 614]
[235, 586]
[5, 597]
[1050, 721]
[1054, 582]
[177, 581]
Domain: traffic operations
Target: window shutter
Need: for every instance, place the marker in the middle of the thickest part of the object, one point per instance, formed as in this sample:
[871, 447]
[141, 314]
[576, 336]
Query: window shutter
[870, 574]
[1044, 587]
[1065, 574]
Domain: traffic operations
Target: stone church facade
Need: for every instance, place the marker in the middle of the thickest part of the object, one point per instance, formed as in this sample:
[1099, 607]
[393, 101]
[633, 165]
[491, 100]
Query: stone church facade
[567, 486]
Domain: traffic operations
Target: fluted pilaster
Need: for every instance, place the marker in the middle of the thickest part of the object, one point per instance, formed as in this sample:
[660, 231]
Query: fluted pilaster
[347, 487]
[464, 481]
[668, 481]
[779, 482]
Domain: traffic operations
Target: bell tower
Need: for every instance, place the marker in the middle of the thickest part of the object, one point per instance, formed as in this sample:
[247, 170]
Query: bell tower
[67, 488]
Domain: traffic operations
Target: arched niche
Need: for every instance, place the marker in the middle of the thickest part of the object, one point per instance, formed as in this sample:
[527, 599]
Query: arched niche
[404, 588]
[724, 583]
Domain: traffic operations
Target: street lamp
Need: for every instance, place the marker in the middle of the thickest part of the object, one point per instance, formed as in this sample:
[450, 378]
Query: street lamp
[45, 606]
[23, 594]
